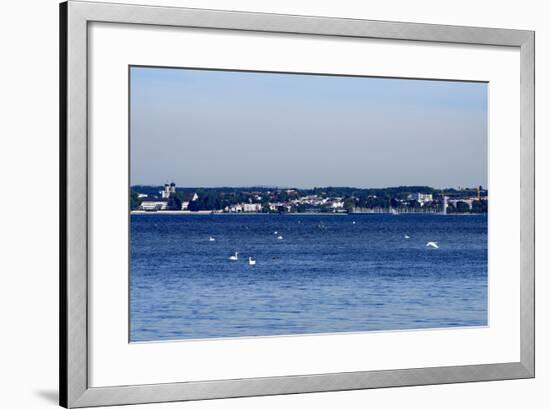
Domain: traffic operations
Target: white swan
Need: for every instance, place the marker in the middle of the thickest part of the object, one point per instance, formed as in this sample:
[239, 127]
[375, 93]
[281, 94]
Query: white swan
[275, 232]
[432, 244]
[251, 261]
[407, 236]
[279, 237]
[352, 222]
[235, 257]
[211, 238]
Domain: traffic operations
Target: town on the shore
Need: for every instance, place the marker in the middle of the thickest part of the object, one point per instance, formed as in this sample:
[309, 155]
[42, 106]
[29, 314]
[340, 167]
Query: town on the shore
[335, 200]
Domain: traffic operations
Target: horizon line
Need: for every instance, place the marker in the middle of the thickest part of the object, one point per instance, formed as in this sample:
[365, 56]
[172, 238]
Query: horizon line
[310, 188]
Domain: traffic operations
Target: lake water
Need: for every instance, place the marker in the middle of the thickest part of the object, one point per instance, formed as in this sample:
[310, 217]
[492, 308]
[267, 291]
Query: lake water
[328, 274]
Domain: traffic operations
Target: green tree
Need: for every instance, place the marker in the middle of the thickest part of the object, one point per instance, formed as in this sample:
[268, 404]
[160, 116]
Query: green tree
[194, 206]
[349, 203]
[462, 207]
[135, 201]
[450, 208]
[174, 202]
[479, 206]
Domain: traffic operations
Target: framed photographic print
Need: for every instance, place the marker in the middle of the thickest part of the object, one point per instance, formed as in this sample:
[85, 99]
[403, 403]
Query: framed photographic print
[258, 204]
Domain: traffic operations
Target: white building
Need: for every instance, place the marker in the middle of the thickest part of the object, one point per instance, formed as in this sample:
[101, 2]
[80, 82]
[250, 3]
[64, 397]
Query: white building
[468, 201]
[154, 204]
[279, 206]
[337, 204]
[236, 208]
[421, 197]
[275, 206]
[169, 189]
[252, 207]
[245, 208]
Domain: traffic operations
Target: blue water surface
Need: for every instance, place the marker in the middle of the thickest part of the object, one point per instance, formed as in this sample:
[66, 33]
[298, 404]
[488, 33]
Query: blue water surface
[329, 273]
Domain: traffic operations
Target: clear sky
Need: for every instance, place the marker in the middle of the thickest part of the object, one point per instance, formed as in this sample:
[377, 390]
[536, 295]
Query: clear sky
[225, 128]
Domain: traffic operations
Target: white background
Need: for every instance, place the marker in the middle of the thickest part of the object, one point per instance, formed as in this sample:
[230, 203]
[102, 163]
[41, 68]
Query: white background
[28, 247]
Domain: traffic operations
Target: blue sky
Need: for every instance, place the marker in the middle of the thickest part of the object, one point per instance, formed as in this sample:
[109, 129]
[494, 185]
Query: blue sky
[227, 128]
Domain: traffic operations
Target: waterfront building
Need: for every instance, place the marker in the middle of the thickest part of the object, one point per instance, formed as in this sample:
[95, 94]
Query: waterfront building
[275, 206]
[421, 198]
[279, 207]
[337, 203]
[169, 189]
[154, 204]
[251, 207]
[468, 201]
[236, 208]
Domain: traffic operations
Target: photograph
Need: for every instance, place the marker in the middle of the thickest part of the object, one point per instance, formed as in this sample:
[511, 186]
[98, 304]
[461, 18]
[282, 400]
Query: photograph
[272, 204]
[275, 204]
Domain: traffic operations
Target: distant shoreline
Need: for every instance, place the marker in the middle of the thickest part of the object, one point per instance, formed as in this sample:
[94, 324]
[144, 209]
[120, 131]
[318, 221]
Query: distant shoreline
[209, 213]
[182, 212]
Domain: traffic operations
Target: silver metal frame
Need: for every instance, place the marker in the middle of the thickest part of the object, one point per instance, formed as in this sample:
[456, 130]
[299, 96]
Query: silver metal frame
[74, 19]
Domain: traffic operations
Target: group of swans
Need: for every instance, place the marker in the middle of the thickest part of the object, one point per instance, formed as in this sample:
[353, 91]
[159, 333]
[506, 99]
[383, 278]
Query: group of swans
[251, 260]
[235, 257]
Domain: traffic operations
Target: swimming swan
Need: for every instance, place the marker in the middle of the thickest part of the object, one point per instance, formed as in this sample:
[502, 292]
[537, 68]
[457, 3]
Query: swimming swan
[235, 257]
